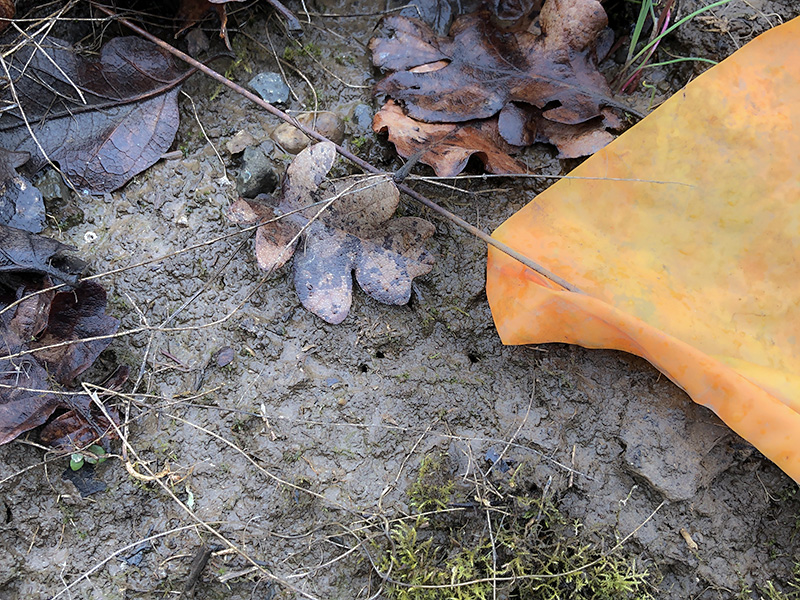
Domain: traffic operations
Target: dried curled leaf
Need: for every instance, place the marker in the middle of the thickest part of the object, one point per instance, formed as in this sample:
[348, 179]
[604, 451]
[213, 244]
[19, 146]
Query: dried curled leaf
[347, 228]
[27, 381]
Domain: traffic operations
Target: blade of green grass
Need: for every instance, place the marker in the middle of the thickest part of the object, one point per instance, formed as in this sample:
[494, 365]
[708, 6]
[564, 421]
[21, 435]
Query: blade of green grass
[681, 59]
[677, 24]
[646, 8]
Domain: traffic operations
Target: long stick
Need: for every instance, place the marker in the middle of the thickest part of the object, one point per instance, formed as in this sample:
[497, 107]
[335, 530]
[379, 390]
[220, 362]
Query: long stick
[343, 151]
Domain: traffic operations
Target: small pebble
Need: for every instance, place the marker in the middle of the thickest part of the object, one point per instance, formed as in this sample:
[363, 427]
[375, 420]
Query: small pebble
[267, 146]
[271, 87]
[327, 123]
[290, 138]
[224, 356]
[52, 186]
[293, 140]
[197, 42]
[241, 140]
[362, 118]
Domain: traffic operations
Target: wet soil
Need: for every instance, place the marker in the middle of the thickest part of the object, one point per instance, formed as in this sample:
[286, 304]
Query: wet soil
[314, 429]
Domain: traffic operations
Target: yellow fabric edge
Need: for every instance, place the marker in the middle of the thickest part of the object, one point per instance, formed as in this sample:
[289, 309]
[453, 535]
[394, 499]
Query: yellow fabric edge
[551, 315]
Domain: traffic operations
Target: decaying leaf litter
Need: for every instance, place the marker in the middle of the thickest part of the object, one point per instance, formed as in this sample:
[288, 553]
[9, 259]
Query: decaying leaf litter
[574, 377]
[494, 90]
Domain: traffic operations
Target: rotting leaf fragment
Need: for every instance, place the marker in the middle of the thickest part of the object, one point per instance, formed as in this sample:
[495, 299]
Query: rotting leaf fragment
[45, 342]
[347, 227]
[21, 204]
[447, 147]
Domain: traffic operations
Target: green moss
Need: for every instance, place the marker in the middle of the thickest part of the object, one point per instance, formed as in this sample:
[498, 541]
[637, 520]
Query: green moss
[344, 59]
[525, 549]
[358, 143]
[420, 565]
[308, 49]
[433, 488]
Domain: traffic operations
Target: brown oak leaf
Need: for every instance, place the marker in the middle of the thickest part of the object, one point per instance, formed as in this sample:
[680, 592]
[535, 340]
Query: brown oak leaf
[479, 69]
[346, 226]
[447, 146]
[487, 91]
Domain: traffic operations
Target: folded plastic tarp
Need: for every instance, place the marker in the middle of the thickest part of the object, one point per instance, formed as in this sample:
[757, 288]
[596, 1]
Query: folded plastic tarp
[683, 236]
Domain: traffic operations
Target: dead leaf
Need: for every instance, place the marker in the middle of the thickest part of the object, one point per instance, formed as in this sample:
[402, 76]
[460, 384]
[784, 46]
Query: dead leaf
[191, 12]
[436, 12]
[79, 426]
[292, 22]
[27, 382]
[21, 204]
[346, 226]
[487, 68]
[22, 405]
[128, 120]
[523, 125]
[23, 252]
[524, 86]
[447, 147]
[79, 314]
[7, 12]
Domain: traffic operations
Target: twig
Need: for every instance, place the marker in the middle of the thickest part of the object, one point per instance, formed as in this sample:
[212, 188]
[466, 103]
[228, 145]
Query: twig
[344, 152]
[199, 562]
[99, 565]
[292, 22]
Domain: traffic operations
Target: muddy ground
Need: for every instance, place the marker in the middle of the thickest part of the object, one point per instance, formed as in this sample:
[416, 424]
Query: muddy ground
[314, 431]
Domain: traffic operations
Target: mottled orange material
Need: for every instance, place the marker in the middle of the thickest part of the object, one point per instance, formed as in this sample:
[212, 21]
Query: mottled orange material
[685, 237]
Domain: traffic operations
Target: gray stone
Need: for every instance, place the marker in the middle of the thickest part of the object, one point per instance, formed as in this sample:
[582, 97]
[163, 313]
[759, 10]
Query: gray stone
[240, 141]
[267, 147]
[52, 186]
[197, 42]
[271, 87]
[292, 140]
[362, 118]
[256, 175]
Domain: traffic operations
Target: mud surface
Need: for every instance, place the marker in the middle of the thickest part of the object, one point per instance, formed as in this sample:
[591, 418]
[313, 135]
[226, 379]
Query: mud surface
[313, 430]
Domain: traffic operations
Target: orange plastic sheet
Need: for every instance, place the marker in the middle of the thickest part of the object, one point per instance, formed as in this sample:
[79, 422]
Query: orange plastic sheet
[684, 237]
